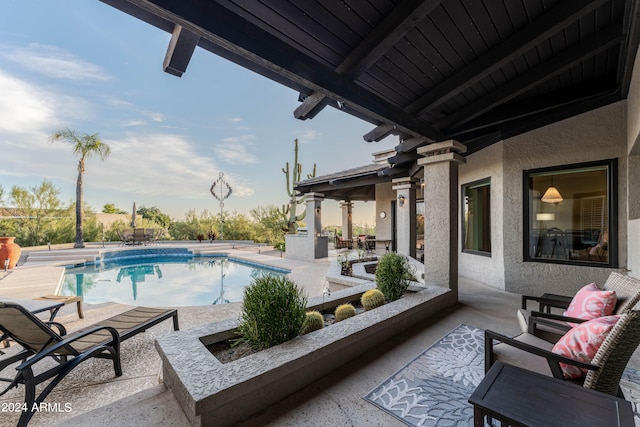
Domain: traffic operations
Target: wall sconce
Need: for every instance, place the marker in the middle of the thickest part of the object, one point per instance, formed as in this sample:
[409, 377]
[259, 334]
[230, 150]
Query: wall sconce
[317, 211]
[401, 200]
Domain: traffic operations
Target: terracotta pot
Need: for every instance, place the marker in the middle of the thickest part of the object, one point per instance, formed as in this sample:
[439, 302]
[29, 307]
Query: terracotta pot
[9, 249]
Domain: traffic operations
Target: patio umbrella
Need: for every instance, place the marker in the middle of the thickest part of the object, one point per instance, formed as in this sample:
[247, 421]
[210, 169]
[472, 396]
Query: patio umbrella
[133, 215]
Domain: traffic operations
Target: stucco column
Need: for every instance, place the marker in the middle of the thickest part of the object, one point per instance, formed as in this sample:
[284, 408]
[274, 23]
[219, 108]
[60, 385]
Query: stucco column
[314, 212]
[310, 244]
[347, 224]
[405, 216]
[441, 202]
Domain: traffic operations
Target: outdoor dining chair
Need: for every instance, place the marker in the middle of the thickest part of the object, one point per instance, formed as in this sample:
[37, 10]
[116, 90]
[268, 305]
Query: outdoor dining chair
[612, 352]
[49, 340]
[627, 294]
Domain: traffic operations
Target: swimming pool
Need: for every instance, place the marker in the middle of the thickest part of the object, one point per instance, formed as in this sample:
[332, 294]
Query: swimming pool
[163, 280]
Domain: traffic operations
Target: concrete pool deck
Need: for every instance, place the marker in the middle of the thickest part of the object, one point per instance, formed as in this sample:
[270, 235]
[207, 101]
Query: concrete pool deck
[139, 398]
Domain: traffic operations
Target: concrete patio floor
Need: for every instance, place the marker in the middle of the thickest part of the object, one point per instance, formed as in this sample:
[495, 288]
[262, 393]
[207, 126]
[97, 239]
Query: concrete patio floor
[139, 398]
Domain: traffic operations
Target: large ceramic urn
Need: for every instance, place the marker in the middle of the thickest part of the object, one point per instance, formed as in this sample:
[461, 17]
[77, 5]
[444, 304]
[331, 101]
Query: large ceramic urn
[9, 250]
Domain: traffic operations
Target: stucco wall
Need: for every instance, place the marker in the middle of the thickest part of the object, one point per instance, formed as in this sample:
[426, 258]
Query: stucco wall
[633, 144]
[633, 110]
[486, 163]
[596, 135]
[384, 195]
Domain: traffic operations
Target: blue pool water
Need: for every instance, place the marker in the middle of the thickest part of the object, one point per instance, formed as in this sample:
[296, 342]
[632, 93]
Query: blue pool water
[163, 281]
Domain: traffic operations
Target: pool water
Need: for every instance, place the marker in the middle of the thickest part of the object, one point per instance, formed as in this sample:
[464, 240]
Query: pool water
[163, 281]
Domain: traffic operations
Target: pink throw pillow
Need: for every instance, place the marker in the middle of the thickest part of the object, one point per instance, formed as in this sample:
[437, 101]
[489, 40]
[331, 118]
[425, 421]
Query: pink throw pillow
[583, 342]
[591, 302]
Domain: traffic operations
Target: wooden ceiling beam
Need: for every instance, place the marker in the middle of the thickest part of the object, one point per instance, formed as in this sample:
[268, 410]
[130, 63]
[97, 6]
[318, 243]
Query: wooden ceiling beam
[183, 43]
[521, 109]
[410, 144]
[525, 39]
[382, 38]
[403, 158]
[220, 26]
[598, 42]
[629, 48]
[379, 133]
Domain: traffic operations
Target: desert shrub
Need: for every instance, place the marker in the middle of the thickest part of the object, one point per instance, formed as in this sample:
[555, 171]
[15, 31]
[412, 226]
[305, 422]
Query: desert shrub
[314, 320]
[393, 275]
[344, 311]
[273, 311]
[371, 299]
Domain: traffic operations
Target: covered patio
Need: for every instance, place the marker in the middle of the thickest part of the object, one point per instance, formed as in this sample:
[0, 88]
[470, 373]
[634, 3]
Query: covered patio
[490, 101]
[482, 93]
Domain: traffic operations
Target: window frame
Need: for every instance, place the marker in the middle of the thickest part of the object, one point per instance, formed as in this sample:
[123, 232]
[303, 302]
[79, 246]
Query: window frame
[463, 188]
[612, 193]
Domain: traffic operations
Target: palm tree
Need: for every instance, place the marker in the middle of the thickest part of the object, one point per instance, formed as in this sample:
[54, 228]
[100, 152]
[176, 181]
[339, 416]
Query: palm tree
[85, 146]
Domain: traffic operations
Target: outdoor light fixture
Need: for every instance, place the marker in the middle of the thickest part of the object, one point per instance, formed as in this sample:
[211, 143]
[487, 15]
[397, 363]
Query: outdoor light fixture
[401, 200]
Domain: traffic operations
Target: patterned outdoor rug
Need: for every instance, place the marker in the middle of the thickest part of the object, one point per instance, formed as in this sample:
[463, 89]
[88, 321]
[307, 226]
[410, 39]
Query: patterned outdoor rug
[433, 389]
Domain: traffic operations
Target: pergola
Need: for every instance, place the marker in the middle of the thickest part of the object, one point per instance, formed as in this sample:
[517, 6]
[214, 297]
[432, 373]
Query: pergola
[424, 70]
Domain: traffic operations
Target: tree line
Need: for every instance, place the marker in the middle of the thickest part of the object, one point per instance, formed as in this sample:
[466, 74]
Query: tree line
[37, 216]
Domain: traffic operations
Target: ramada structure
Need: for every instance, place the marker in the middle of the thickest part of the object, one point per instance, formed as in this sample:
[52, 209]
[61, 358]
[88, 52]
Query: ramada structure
[518, 122]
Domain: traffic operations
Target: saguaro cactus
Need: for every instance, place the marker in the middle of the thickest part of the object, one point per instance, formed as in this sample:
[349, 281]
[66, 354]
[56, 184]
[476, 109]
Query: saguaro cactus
[289, 211]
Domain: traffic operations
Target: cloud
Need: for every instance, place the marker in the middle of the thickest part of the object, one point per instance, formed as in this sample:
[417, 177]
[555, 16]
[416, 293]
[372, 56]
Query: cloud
[23, 106]
[234, 150]
[160, 165]
[28, 108]
[134, 123]
[52, 62]
[308, 136]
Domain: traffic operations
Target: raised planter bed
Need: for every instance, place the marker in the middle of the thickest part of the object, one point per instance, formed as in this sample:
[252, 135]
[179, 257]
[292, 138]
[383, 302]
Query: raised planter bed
[213, 393]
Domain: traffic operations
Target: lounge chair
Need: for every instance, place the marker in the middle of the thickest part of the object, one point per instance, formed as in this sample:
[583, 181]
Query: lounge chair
[66, 299]
[627, 291]
[40, 340]
[604, 370]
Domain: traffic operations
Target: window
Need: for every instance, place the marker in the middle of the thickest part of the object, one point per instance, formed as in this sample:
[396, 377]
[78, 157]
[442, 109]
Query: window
[476, 217]
[570, 214]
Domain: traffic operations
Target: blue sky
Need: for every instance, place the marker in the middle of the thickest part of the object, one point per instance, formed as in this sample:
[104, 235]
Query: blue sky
[88, 66]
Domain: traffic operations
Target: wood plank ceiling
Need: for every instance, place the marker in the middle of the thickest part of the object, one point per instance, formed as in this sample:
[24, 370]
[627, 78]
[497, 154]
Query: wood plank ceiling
[425, 70]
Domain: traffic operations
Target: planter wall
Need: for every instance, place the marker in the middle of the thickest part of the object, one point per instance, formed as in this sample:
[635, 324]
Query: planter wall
[9, 250]
[212, 393]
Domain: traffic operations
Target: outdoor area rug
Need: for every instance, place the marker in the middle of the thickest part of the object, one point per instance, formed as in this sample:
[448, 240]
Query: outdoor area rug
[433, 389]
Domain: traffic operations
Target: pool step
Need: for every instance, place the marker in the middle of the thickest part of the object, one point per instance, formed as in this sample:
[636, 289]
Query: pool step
[64, 257]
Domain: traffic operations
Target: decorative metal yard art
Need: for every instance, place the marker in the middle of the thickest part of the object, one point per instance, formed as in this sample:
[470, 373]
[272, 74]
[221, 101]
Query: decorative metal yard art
[221, 299]
[222, 194]
[294, 200]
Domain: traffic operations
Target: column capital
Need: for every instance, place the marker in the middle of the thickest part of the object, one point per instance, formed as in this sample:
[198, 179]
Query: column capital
[346, 203]
[309, 197]
[450, 146]
[406, 182]
[445, 151]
